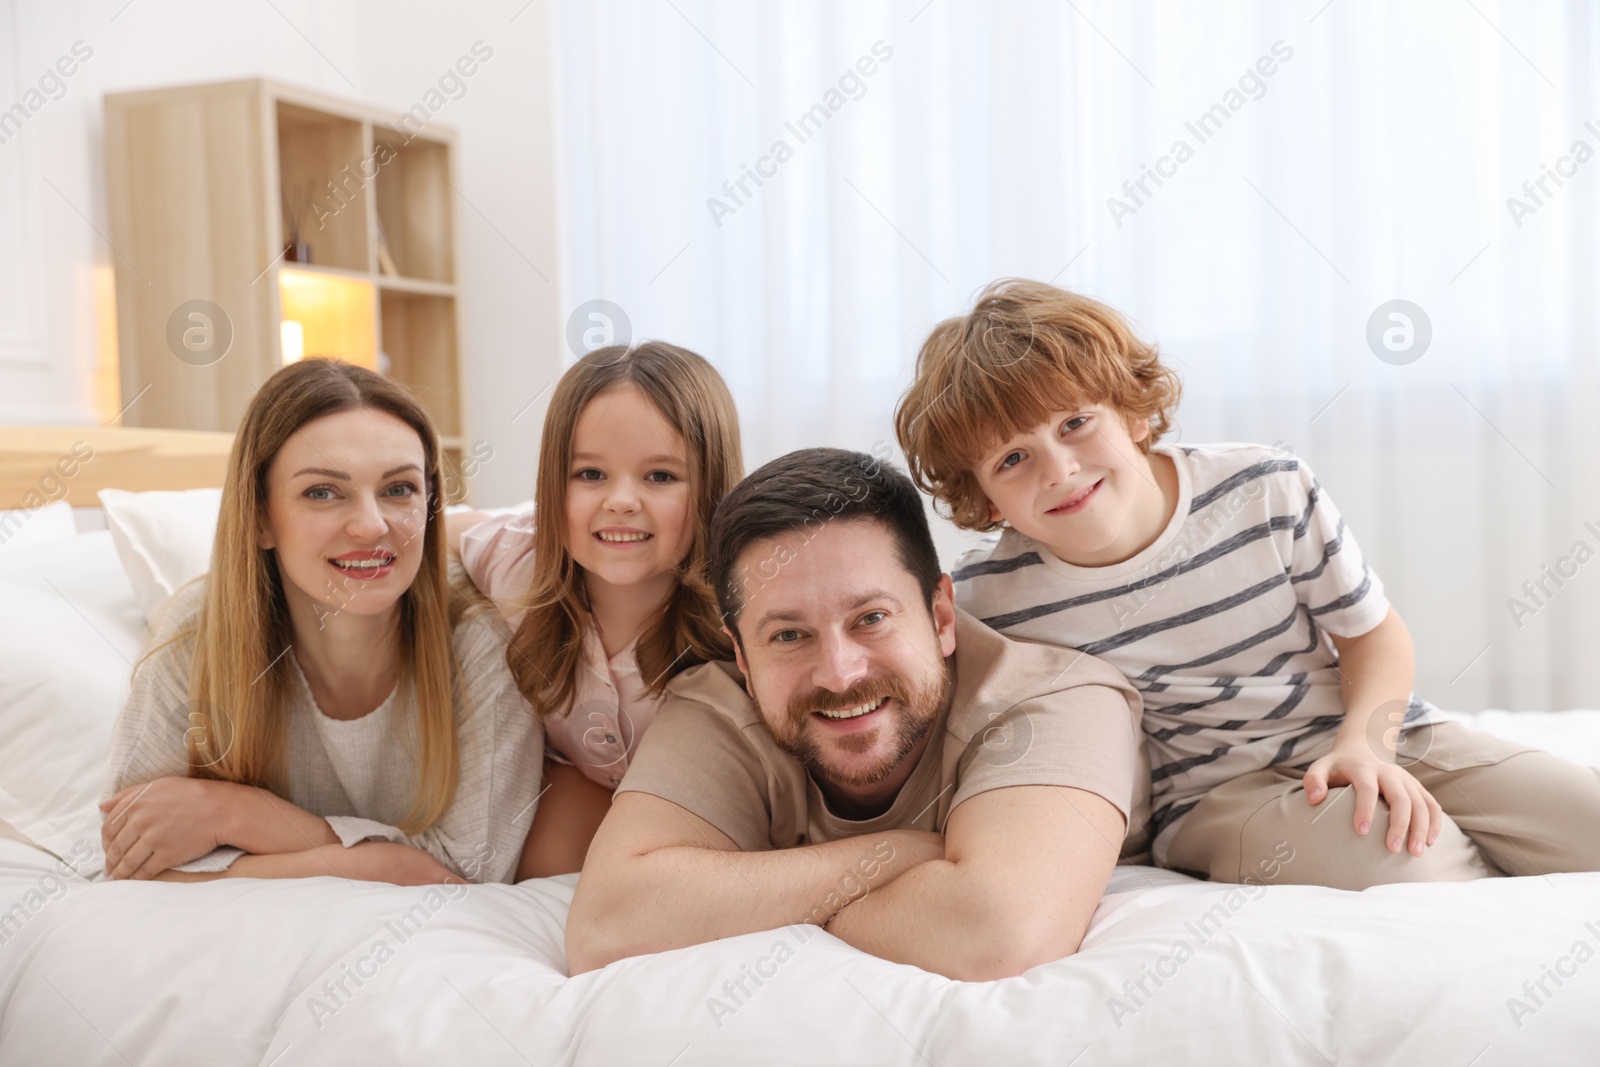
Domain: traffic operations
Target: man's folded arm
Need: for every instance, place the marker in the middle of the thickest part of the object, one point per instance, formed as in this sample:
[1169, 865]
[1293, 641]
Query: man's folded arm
[659, 877]
[1024, 870]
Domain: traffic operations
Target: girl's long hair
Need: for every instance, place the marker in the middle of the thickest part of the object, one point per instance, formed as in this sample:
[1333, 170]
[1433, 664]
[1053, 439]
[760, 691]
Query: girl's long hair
[546, 652]
[239, 682]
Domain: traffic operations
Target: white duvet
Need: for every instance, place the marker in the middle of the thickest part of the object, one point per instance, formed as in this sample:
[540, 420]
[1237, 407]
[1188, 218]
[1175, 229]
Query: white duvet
[324, 971]
[1173, 971]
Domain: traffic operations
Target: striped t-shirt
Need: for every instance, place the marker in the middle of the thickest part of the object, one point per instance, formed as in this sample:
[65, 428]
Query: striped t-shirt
[1223, 623]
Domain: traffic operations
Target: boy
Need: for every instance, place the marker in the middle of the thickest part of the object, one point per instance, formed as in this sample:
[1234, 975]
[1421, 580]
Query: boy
[1222, 581]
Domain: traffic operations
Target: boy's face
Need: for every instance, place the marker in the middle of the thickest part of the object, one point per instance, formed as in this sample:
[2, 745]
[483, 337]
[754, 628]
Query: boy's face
[1079, 485]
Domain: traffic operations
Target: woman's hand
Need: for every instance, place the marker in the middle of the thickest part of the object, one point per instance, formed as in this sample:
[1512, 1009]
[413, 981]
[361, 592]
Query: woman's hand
[156, 825]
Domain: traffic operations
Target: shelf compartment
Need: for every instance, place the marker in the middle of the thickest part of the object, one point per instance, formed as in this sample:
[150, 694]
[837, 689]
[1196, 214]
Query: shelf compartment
[419, 341]
[413, 200]
[322, 160]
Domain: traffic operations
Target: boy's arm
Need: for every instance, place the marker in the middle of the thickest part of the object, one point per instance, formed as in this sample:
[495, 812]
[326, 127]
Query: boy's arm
[659, 877]
[1376, 671]
[1024, 870]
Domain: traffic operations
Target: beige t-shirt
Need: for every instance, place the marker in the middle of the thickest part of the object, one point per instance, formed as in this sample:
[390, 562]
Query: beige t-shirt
[1022, 714]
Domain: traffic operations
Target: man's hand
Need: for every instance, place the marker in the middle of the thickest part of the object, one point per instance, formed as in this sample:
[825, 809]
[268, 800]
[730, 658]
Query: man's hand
[1023, 871]
[660, 877]
[1353, 763]
[156, 825]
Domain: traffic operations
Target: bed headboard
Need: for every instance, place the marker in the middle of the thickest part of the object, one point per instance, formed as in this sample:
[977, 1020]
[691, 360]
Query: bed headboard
[40, 464]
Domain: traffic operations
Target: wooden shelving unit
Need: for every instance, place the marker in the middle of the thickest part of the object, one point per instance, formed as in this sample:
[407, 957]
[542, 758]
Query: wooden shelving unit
[207, 184]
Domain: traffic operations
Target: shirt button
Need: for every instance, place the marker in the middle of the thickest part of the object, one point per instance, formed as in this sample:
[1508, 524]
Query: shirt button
[615, 778]
[611, 739]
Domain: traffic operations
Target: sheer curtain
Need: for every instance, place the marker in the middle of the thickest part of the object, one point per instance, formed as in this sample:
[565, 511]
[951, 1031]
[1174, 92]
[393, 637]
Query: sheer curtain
[800, 190]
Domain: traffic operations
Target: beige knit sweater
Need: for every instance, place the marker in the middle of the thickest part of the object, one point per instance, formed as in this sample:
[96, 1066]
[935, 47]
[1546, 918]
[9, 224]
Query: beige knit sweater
[360, 774]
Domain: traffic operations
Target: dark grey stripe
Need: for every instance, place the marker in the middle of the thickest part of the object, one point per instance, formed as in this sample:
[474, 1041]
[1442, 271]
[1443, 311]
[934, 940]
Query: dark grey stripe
[1167, 770]
[1228, 693]
[1193, 615]
[1292, 701]
[1276, 663]
[1321, 724]
[1189, 728]
[1311, 505]
[996, 566]
[1168, 814]
[1265, 635]
[1210, 555]
[1328, 550]
[1349, 598]
[1238, 478]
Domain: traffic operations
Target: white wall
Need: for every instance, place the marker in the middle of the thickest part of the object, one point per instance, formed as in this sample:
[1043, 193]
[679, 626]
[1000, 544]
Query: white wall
[56, 309]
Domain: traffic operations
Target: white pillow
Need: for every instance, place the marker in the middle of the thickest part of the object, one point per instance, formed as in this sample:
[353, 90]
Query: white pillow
[69, 637]
[30, 527]
[163, 538]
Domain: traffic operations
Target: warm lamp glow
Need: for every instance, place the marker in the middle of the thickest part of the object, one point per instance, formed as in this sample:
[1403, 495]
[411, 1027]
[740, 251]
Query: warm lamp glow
[294, 341]
[336, 315]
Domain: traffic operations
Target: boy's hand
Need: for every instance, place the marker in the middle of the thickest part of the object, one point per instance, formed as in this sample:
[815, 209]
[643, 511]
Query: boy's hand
[1410, 805]
[156, 825]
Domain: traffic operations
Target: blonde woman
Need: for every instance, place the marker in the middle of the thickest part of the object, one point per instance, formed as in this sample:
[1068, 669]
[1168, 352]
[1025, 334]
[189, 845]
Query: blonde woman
[324, 702]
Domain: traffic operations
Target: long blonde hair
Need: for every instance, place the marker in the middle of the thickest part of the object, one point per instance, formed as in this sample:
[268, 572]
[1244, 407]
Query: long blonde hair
[546, 652]
[239, 680]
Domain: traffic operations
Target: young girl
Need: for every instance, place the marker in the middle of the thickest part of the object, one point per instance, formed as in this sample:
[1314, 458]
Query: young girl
[610, 601]
[323, 702]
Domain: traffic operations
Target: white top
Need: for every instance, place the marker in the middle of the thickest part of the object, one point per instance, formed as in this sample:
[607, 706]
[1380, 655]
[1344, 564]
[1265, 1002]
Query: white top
[1223, 623]
[610, 710]
[360, 774]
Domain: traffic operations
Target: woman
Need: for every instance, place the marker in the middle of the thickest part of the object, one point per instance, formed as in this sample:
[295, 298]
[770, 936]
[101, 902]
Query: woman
[325, 701]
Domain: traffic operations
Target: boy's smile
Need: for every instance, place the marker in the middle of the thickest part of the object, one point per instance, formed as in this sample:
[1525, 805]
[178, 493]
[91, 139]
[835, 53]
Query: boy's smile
[1080, 485]
[1076, 501]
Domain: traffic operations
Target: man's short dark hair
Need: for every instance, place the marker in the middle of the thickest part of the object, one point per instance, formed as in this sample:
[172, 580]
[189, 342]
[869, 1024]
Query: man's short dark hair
[806, 490]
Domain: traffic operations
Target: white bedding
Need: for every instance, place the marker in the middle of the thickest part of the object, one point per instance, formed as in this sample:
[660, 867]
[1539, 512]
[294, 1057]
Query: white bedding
[235, 973]
[242, 972]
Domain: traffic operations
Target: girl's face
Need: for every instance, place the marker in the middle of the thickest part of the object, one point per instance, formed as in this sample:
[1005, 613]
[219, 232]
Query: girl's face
[347, 512]
[629, 506]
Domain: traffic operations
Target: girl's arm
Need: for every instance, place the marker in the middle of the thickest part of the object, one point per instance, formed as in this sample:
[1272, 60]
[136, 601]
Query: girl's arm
[459, 523]
[1375, 675]
[571, 808]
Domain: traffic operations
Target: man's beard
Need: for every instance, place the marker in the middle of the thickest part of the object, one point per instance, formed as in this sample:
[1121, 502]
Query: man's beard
[921, 707]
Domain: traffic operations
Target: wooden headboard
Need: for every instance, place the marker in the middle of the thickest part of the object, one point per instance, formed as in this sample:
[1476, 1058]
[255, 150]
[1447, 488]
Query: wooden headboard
[40, 464]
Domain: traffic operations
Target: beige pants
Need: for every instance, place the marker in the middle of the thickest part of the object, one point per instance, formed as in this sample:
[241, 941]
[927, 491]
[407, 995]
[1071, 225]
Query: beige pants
[1509, 809]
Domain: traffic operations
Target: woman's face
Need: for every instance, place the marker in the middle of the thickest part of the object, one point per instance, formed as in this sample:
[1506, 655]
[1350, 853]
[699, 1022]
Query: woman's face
[347, 513]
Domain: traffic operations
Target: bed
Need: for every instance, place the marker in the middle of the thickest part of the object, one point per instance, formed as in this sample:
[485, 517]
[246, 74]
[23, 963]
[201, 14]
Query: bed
[328, 971]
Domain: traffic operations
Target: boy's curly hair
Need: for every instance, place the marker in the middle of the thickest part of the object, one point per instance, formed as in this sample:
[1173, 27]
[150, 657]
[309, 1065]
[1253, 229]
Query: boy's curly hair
[1025, 351]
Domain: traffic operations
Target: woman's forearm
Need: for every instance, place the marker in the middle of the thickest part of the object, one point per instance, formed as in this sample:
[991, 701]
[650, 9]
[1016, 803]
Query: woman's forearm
[369, 861]
[261, 823]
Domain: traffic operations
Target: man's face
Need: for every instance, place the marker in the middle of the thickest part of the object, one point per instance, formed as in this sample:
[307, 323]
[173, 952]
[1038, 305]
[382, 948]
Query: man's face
[844, 659]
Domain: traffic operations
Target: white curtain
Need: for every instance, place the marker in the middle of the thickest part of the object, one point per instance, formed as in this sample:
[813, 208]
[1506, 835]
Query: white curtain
[1375, 162]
